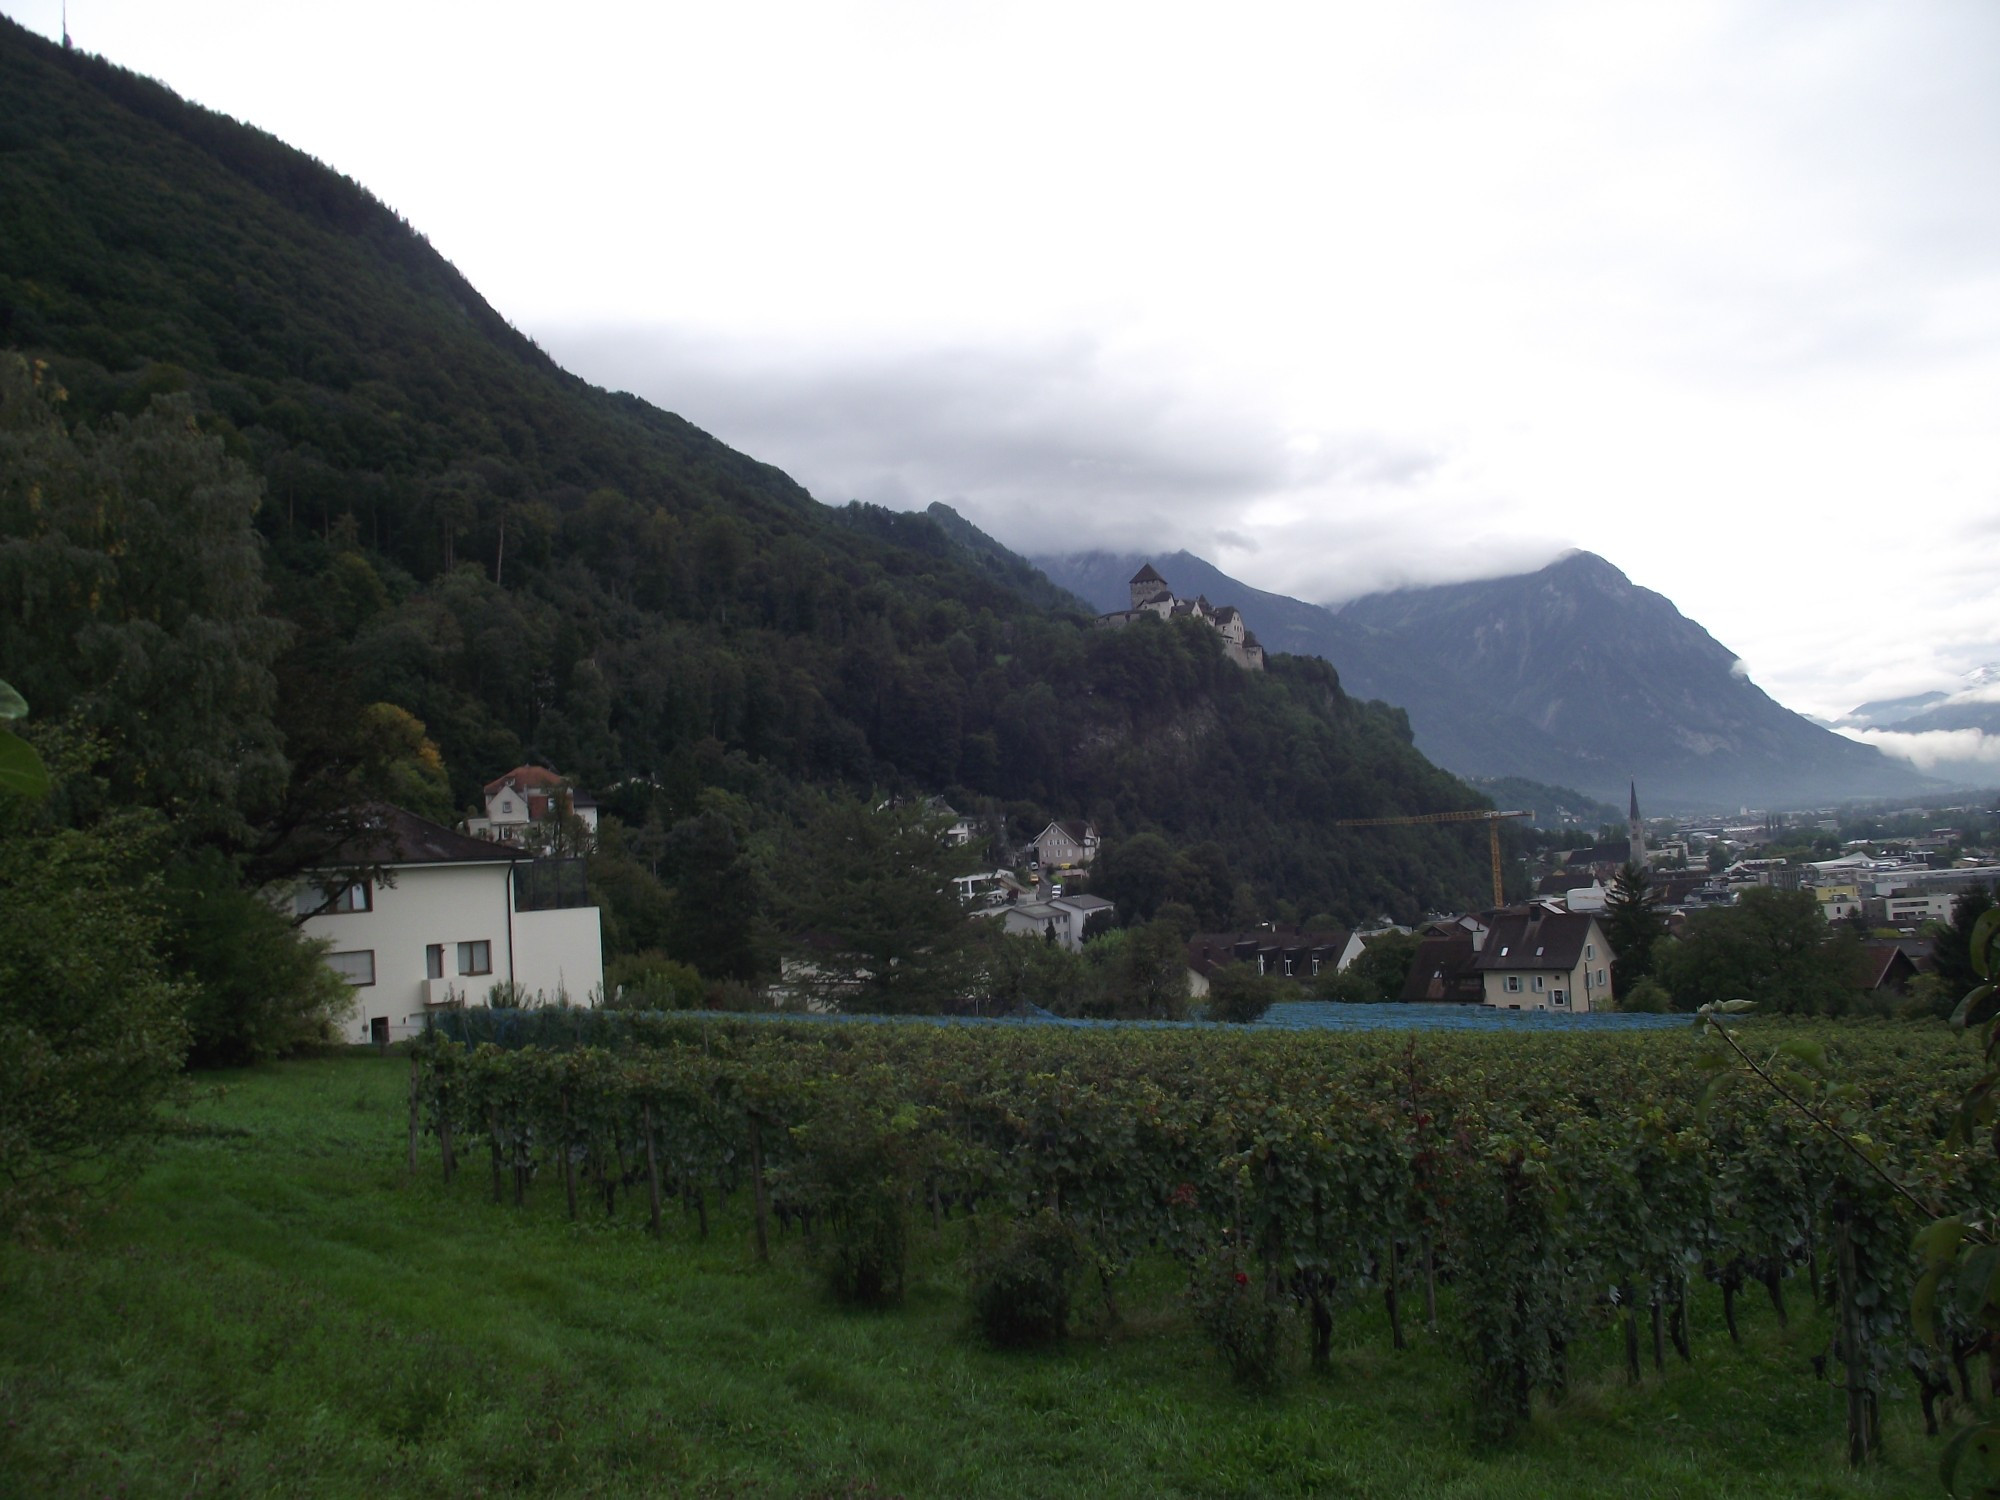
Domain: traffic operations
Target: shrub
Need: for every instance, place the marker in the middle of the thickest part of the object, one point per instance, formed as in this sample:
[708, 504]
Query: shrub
[91, 1027]
[256, 988]
[1647, 995]
[1237, 992]
[1249, 1324]
[1022, 1282]
[652, 981]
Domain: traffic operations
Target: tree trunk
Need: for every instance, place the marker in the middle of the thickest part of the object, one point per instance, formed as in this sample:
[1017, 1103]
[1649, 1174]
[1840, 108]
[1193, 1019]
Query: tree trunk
[1389, 1297]
[652, 1173]
[759, 1197]
[416, 1115]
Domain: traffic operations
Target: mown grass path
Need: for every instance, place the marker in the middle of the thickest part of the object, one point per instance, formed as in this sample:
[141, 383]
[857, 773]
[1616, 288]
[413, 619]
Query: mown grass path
[277, 1309]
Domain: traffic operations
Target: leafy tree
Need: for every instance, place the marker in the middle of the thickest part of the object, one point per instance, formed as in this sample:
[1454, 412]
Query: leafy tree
[1145, 972]
[1382, 967]
[1772, 948]
[1633, 925]
[91, 1025]
[870, 910]
[255, 988]
[134, 593]
[1237, 992]
[1951, 943]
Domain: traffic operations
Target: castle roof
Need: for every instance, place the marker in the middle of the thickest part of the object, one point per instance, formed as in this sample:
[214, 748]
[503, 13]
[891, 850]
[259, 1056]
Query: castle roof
[1147, 575]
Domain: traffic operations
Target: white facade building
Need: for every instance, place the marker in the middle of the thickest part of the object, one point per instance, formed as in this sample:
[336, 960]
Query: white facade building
[454, 917]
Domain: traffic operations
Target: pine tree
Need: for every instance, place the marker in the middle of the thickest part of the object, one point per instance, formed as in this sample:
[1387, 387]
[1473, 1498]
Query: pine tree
[1632, 924]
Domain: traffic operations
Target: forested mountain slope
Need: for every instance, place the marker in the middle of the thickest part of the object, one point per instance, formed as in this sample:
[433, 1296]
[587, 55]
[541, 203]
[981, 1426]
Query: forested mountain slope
[537, 568]
[1571, 675]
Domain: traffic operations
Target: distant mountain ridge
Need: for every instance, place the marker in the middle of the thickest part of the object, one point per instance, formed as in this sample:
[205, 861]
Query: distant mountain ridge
[1571, 675]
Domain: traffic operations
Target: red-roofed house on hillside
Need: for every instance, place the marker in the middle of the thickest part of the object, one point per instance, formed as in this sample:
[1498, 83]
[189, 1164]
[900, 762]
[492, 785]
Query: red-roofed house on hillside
[1546, 958]
[527, 796]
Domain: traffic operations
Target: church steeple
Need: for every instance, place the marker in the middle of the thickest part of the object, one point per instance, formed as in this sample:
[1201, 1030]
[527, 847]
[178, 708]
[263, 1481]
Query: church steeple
[1637, 829]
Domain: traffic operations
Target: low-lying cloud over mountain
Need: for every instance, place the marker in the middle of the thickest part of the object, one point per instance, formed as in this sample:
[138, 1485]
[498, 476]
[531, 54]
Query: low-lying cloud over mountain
[1953, 734]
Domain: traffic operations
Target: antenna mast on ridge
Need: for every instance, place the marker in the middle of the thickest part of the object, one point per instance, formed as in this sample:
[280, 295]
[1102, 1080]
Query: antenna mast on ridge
[66, 25]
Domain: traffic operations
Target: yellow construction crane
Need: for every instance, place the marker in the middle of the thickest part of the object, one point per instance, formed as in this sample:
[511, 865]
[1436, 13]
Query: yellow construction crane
[1484, 815]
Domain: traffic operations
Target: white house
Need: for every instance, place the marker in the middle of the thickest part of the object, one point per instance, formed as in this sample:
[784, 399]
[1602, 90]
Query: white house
[1064, 917]
[1546, 959]
[1062, 845]
[452, 917]
[525, 796]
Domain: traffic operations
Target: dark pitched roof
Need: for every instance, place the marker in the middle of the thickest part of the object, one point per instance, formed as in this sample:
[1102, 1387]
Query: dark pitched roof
[390, 836]
[1885, 966]
[1540, 939]
[1445, 969]
[1147, 575]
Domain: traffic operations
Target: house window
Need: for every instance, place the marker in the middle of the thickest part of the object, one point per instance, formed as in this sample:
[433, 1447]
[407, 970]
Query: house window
[1538, 984]
[1513, 984]
[1288, 967]
[357, 967]
[1315, 966]
[1600, 979]
[475, 958]
[313, 901]
[1590, 950]
[1558, 998]
[434, 961]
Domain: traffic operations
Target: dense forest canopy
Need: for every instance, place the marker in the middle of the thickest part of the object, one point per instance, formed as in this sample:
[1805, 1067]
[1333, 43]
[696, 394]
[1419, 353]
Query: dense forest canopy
[532, 568]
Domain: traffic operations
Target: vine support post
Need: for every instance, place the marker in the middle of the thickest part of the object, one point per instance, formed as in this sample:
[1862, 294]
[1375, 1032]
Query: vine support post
[652, 1171]
[1861, 1436]
[493, 1140]
[568, 1165]
[1430, 1284]
[445, 1155]
[1394, 1264]
[416, 1115]
[760, 1195]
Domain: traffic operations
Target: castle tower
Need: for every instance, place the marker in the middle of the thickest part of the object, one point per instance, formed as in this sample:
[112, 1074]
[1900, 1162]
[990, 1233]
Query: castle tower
[1148, 587]
[1637, 827]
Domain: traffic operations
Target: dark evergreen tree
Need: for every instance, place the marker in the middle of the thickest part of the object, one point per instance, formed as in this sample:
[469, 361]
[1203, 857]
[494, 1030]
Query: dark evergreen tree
[1632, 925]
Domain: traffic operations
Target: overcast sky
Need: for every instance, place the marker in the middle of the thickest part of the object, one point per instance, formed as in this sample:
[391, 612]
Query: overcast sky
[1337, 296]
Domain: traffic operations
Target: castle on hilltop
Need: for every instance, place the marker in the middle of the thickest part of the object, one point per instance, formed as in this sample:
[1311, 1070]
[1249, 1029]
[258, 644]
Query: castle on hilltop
[1151, 596]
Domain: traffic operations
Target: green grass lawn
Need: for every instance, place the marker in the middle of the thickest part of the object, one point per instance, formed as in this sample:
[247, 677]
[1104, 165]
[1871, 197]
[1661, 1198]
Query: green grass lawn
[277, 1309]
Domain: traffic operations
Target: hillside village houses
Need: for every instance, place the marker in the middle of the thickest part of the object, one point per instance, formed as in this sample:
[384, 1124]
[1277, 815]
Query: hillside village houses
[1152, 596]
[450, 918]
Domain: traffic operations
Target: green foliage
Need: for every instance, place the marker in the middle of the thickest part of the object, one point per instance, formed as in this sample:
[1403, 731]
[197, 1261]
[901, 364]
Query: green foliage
[1023, 1280]
[1237, 992]
[255, 988]
[872, 917]
[91, 1028]
[1250, 1326]
[1632, 925]
[1379, 971]
[1145, 972]
[1772, 948]
[1646, 996]
[652, 981]
[135, 602]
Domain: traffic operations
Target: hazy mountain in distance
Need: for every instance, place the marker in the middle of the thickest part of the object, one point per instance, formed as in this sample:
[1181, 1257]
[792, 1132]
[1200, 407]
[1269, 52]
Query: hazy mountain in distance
[1571, 676]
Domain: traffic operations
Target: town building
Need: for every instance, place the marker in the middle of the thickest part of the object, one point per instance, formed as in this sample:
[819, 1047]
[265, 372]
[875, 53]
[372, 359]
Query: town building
[447, 921]
[1545, 958]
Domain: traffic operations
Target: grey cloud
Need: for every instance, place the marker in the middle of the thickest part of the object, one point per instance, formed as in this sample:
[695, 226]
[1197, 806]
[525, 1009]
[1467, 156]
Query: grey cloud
[1050, 446]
